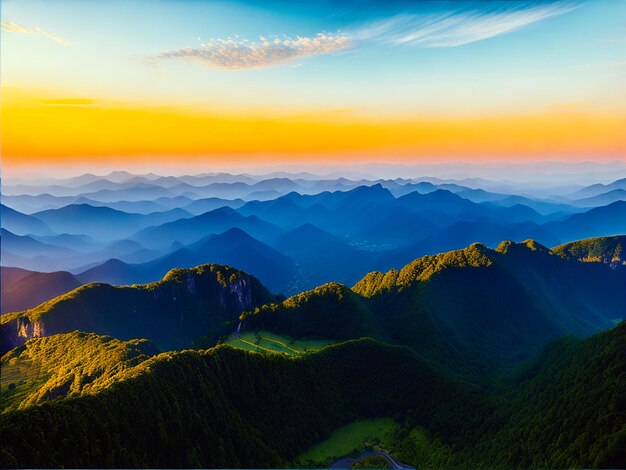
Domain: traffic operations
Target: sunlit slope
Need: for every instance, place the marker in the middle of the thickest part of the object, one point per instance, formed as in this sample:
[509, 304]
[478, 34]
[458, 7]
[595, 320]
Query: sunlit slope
[66, 365]
[611, 250]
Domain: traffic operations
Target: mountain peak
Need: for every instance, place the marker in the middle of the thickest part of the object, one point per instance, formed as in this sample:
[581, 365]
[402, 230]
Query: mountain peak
[185, 304]
[508, 246]
[422, 269]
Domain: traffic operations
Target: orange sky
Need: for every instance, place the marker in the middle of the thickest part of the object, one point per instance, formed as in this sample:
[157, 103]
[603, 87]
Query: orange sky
[37, 129]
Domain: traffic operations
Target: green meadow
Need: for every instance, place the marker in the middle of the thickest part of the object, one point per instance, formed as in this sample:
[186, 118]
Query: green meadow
[351, 439]
[265, 341]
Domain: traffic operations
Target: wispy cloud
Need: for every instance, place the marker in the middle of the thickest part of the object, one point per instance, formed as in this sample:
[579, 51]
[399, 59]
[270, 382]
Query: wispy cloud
[18, 28]
[445, 29]
[234, 53]
[453, 29]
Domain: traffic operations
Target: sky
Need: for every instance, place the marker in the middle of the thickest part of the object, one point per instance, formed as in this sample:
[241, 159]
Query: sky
[108, 83]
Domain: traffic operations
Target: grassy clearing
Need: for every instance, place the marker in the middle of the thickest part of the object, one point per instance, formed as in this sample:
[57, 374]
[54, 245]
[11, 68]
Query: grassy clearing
[20, 375]
[353, 438]
[265, 341]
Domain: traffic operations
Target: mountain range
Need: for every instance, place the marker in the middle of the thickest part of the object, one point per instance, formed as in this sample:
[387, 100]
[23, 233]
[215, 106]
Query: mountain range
[376, 224]
[261, 321]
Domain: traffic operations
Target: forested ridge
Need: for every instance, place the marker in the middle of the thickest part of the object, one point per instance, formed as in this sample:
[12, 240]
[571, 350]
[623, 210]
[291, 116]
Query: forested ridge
[471, 311]
[566, 408]
[535, 378]
[601, 249]
[225, 408]
[185, 304]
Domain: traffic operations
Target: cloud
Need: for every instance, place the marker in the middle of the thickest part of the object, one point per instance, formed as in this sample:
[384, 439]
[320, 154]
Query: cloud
[17, 28]
[453, 29]
[234, 54]
[434, 29]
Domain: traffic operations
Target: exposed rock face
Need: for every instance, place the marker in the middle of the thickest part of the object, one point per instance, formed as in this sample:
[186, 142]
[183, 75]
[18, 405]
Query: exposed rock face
[30, 330]
[186, 304]
[243, 291]
[17, 332]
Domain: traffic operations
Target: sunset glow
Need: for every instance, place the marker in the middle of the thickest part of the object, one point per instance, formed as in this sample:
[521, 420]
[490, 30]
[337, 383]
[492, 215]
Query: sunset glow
[68, 130]
[475, 83]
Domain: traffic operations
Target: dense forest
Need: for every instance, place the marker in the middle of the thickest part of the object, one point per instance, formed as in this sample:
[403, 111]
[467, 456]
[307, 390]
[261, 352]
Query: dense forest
[224, 407]
[505, 358]
[602, 249]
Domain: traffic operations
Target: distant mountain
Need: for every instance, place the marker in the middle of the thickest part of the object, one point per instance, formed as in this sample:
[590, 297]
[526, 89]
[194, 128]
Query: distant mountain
[131, 193]
[137, 207]
[338, 212]
[22, 224]
[29, 247]
[450, 307]
[186, 304]
[125, 248]
[323, 257]
[233, 247]
[285, 211]
[602, 199]
[103, 223]
[276, 184]
[487, 231]
[191, 230]
[598, 189]
[374, 219]
[12, 275]
[309, 241]
[80, 243]
[23, 289]
[28, 204]
[205, 205]
[441, 200]
[266, 195]
[542, 206]
[597, 222]
[113, 271]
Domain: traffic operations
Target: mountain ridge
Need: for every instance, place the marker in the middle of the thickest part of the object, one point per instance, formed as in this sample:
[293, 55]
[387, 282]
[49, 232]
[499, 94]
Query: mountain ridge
[184, 305]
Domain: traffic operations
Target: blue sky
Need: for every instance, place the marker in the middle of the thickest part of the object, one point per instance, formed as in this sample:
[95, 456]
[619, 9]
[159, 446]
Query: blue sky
[112, 82]
[477, 55]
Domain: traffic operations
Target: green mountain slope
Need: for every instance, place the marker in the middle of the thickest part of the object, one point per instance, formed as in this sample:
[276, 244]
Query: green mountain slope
[576, 390]
[186, 304]
[225, 407]
[328, 311]
[65, 365]
[608, 250]
[469, 310]
[566, 408]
